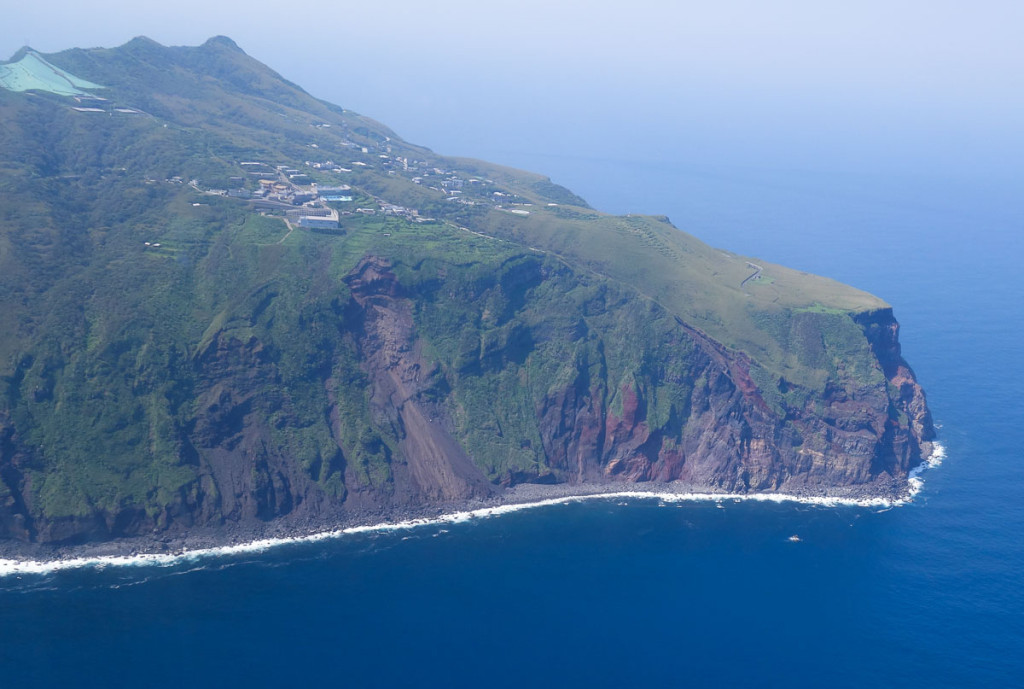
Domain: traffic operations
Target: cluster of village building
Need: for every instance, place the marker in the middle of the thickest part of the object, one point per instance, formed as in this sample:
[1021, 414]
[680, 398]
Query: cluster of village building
[289, 190]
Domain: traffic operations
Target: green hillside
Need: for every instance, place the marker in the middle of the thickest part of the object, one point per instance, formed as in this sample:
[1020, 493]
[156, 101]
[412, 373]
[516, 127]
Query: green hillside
[161, 294]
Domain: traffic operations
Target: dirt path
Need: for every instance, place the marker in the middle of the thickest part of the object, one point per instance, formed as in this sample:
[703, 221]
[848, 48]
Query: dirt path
[291, 228]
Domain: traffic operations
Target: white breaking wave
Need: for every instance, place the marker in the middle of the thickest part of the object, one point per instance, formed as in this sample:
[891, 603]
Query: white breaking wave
[10, 567]
[914, 477]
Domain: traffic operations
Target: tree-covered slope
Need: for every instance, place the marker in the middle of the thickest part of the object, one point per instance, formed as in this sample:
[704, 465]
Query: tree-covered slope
[178, 348]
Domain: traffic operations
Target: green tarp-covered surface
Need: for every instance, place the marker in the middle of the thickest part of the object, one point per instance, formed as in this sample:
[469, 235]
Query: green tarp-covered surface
[33, 73]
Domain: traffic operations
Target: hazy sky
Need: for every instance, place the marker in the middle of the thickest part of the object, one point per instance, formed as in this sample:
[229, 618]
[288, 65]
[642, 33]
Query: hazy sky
[804, 83]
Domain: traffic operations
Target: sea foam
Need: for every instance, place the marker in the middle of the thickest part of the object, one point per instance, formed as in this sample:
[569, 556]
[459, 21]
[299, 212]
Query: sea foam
[914, 478]
[19, 567]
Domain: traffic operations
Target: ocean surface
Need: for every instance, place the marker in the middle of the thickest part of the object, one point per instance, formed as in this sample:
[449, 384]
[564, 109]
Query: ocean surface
[642, 592]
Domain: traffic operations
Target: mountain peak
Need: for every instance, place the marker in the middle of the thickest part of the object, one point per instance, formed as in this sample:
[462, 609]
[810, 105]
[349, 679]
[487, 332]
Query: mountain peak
[142, 42]
[223, 42]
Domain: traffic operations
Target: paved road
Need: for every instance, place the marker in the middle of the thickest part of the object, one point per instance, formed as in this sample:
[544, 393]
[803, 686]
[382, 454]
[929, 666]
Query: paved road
[755, 274]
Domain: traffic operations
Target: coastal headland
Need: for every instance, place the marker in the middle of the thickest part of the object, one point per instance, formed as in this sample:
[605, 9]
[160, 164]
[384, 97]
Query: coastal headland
[235, 312]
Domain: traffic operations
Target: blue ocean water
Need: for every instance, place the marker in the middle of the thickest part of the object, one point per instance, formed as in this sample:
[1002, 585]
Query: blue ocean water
[607, 594]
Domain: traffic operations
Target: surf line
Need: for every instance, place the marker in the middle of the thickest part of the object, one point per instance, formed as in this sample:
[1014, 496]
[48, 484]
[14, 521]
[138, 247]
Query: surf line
[17, 567]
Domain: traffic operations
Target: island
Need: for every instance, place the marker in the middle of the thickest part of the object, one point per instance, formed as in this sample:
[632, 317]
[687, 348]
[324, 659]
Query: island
[228, 308]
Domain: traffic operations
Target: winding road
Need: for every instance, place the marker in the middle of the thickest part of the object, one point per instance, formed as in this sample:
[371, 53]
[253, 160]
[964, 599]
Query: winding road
[756, 273]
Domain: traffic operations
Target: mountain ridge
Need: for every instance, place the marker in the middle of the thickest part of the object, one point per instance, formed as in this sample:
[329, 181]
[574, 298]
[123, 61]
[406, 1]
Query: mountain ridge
[186, 345]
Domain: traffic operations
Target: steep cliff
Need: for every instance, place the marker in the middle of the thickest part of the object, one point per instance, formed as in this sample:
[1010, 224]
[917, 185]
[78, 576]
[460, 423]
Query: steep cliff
[179, 355]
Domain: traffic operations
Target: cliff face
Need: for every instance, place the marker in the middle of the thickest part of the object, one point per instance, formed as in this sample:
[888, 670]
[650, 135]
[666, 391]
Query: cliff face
[173, 356]
[869, 437]
[912, 437]
[673, 405]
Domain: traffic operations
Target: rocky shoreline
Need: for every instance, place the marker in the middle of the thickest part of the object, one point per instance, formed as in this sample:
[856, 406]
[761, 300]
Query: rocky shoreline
[180, 543]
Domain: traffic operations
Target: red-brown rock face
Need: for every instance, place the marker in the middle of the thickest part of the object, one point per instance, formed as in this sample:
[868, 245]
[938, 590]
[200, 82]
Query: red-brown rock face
[846, 441]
